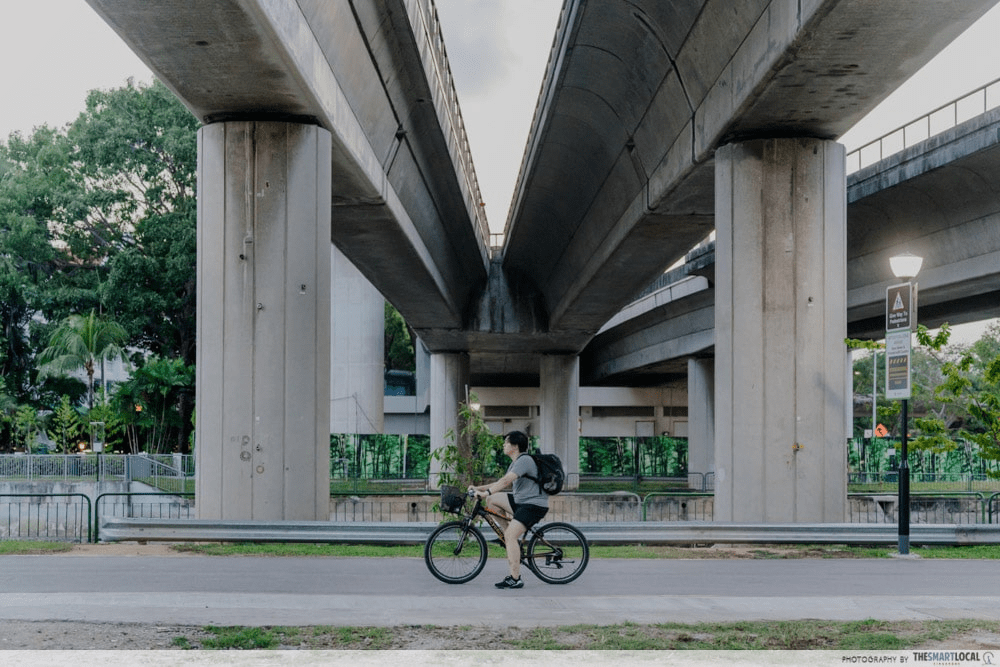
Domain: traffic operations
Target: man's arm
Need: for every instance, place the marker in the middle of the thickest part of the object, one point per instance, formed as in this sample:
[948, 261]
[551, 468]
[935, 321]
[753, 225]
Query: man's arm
[495, 487]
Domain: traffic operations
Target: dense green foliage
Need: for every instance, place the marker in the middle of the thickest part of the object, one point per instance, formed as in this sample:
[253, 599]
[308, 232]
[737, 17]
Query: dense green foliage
[954, 408]
[97, 256]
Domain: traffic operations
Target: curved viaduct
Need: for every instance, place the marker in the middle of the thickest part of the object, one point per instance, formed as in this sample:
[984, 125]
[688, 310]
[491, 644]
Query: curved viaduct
[939, 199]
[656, 120]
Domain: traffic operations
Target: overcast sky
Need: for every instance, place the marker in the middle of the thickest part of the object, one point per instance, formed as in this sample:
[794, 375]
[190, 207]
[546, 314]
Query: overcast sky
[54, 51]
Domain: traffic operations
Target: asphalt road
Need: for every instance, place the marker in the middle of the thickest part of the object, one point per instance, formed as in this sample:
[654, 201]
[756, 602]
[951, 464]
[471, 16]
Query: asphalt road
[400, 591]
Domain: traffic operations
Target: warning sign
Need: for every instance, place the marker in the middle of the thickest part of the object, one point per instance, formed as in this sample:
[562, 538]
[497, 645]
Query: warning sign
[881, 431]
[900, 312]
[897, 364]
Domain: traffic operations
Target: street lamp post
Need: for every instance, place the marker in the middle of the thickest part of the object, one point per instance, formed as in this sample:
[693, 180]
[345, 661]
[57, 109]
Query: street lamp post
[902, 317]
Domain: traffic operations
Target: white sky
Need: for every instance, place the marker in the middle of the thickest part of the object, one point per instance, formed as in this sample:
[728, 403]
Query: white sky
[54, 51]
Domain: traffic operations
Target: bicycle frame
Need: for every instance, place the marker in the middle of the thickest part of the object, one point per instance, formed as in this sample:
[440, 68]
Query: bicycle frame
[479, 510]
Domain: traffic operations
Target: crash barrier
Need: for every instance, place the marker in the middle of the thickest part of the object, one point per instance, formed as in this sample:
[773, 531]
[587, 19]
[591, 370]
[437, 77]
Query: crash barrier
[146, 505]
[75, 517]
[652, 533]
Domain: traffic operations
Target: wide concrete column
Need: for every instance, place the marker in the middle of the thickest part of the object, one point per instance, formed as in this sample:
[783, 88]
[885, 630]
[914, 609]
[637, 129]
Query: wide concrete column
[701, 420]
[357, 354]
[263, 385]
[559, 416]
[780, 324]
[449, 380]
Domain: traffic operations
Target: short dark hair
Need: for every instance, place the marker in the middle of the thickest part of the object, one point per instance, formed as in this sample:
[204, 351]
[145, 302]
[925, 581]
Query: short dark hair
[519, 439]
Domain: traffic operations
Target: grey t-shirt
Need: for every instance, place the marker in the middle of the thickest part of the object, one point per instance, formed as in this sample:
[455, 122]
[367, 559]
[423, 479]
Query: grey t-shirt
[527, 491]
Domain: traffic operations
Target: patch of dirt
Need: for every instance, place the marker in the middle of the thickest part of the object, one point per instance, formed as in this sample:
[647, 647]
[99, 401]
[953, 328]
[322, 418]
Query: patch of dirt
[125, 549]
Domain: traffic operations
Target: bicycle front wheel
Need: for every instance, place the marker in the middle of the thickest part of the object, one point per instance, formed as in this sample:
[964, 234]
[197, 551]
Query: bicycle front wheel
[455, 553]
[558, 553]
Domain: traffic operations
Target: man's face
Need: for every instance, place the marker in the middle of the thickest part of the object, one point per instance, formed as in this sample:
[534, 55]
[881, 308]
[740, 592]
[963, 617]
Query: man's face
[508, 447]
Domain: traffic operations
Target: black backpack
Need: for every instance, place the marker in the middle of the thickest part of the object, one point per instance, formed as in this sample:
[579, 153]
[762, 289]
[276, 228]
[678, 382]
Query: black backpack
[551, 475]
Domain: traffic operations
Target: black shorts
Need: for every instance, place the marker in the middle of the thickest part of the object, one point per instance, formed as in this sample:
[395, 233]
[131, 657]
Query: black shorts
[527, 514]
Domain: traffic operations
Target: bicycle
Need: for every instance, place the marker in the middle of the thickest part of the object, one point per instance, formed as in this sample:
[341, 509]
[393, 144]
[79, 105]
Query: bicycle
[456, 552]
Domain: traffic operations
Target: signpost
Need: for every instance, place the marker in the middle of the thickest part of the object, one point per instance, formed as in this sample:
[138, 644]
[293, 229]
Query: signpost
[900, 320]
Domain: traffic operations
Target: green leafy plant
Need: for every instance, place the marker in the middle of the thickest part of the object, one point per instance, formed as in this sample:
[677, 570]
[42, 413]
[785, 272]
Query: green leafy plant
[471, 454]
[25, 423]
[65, 426]
[152, 400]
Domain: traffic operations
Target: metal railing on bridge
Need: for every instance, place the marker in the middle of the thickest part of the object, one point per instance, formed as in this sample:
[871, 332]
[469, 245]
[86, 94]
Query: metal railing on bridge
[932, 123]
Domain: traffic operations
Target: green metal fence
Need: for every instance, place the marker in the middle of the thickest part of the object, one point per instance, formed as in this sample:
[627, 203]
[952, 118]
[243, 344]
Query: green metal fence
[65, 517]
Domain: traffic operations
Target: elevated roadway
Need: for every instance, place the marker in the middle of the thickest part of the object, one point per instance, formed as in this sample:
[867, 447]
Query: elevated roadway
[405, 199]
[617, 179]
[939, 198]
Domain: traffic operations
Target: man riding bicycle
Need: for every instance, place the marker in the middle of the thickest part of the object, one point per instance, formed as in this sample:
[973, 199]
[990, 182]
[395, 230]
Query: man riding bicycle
[527, 504]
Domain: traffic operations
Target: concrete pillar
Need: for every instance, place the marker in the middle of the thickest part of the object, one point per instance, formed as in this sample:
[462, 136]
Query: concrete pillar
[560, 412]
[263, 384]
[701, 420]
[357, 354]
[449, 380]
[780, 324]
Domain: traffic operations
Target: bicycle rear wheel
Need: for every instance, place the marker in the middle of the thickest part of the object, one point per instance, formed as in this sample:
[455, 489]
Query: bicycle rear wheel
[558, 553]
[455, 553]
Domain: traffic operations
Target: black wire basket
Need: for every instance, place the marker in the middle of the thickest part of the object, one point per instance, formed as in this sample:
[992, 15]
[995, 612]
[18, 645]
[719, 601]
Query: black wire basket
[452, 499]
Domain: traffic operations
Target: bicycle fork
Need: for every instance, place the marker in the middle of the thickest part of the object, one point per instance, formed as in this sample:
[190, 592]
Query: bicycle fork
[461, 541]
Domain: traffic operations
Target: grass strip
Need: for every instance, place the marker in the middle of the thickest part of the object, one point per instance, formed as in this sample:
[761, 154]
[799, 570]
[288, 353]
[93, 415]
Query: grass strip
[808, 634]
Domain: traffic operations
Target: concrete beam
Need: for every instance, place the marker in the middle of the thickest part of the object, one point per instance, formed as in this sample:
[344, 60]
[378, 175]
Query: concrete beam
[406, 199]
[635, 103]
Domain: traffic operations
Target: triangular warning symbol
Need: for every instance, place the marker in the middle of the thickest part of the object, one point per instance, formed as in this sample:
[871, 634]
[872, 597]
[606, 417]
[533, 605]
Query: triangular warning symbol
[898, 304]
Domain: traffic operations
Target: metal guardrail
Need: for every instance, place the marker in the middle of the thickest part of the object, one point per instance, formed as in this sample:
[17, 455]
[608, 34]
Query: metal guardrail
[597, 533]
[69, 516]
[133, 505]
[932, 123]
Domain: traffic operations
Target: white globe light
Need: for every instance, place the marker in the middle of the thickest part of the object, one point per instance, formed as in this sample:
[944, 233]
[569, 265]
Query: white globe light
[906, 265]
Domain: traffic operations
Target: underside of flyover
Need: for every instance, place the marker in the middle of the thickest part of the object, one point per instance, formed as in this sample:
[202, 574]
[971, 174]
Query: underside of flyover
[619, 180]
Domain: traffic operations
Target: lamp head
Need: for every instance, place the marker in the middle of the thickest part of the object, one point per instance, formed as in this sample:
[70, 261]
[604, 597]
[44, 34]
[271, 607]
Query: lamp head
[906, 265]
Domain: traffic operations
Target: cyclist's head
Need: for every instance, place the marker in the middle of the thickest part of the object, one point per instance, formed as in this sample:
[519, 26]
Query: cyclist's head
[517, 439]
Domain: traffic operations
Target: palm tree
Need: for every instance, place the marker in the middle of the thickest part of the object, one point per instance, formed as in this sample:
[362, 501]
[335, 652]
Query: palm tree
[82, 341]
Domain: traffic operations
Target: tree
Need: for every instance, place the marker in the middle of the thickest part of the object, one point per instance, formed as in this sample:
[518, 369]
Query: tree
[137, 146]
[970, 387]
[82, 342]
[25, 423]
[65, 426]
[399, 353]
[151, 399]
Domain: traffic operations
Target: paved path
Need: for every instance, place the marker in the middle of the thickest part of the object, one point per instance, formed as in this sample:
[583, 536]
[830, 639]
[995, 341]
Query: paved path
[390, 591]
